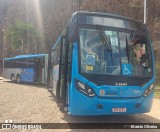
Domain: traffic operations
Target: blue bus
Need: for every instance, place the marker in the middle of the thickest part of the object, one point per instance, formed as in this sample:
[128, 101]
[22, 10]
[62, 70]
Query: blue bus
[102, 64]
[26, 68]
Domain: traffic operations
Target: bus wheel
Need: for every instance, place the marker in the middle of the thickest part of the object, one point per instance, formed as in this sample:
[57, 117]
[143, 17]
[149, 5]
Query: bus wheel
[18, 79]
[60, 107]
[12, 78]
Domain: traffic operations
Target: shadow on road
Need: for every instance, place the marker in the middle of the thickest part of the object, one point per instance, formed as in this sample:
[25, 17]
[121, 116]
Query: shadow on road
[140, 118]
[38, 85]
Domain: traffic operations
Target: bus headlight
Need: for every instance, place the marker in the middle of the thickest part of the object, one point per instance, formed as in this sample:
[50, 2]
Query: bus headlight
[149, 90]
[85, 89]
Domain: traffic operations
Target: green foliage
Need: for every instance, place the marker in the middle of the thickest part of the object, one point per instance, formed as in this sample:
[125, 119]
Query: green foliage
[22, 37]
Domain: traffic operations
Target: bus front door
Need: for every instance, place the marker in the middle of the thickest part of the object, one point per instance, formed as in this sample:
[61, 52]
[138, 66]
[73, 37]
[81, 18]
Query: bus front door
[62, 83]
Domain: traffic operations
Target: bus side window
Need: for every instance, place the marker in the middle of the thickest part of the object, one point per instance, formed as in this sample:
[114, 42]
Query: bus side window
[56, 56]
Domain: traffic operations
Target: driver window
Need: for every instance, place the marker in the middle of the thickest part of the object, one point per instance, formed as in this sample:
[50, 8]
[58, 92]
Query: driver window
[139, 52]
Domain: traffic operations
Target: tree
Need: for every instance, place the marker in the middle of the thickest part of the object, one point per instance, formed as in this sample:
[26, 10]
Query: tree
[22, 38]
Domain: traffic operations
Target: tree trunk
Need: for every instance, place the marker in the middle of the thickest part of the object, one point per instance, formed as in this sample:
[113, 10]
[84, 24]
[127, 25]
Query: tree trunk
[35, 47]
[22, 45]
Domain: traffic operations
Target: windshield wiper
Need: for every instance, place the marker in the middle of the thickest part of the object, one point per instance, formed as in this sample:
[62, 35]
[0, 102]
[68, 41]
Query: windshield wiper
[104, 39]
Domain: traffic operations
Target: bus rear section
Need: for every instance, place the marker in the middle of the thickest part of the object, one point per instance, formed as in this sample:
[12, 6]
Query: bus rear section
[26, 68]
[102, 64]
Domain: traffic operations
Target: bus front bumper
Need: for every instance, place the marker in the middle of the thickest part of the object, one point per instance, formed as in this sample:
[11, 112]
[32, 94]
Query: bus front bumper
[83, 105]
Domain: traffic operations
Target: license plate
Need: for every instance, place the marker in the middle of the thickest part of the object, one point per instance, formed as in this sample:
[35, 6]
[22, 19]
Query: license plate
[118, 109]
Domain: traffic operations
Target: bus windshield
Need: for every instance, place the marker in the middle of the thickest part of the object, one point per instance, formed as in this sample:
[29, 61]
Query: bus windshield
[129, 54]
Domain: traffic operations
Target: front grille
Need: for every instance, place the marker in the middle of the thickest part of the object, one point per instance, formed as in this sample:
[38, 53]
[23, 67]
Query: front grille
[114, 80]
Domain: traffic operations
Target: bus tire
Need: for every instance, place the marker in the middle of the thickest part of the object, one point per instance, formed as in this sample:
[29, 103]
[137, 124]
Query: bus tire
[60, 106]
[12, 78]
[18, 78]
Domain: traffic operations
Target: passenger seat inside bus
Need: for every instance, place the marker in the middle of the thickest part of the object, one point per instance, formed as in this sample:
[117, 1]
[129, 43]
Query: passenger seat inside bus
[100, 67]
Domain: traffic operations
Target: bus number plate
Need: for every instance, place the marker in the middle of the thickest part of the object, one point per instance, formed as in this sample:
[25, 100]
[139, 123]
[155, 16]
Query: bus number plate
[118, 109]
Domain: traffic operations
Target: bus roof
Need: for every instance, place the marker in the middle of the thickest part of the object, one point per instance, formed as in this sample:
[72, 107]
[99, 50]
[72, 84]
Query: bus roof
[104, 15]
[26, 56]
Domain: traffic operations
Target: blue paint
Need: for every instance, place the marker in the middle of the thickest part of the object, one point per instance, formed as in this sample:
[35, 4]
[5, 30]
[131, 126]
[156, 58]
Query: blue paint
[88, 106]
[126, 69]
[115, 96]
[27, 74]
[26, 56]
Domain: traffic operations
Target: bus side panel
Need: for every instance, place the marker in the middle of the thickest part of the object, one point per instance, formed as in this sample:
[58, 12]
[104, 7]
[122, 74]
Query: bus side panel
[27, 74]
[72, 90]
[46, 68]
[55, 77]
[7, 72]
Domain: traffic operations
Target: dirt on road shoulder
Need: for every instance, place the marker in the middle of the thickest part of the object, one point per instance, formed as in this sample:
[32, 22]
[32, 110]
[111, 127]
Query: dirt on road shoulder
[27, 103]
